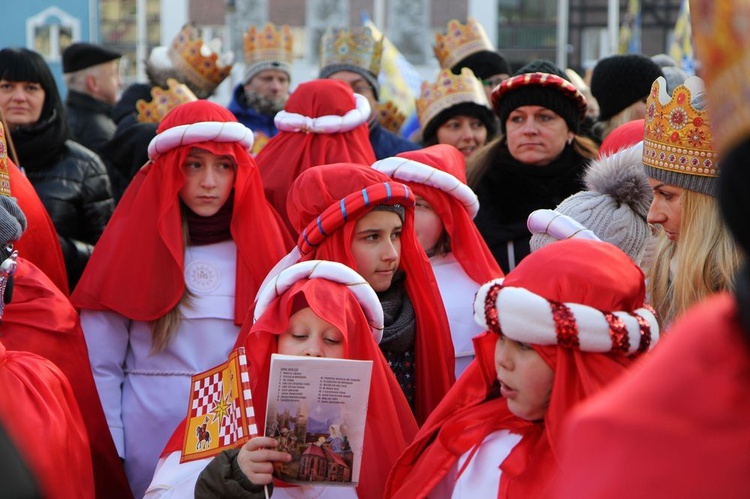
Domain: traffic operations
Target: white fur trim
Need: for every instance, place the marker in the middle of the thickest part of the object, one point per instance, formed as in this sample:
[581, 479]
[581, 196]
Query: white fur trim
[293, 122]
[557, 225]
[526, 317]
[407, 170]
[332, 271]
[204, 131]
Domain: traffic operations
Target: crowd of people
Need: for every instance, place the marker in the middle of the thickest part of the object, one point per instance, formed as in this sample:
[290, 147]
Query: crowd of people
[548, 277]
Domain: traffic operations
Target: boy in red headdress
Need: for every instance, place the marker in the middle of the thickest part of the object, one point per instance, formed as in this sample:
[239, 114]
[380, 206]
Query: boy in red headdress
[563, 324]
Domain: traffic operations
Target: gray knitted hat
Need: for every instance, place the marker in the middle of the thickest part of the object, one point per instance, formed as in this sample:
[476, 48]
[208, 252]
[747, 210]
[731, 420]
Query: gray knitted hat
[12, 221]
[613, 206]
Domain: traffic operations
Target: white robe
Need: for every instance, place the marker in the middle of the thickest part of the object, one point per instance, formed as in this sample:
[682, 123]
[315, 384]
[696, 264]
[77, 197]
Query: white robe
[457, 290]
[145, 395]
[481, 478]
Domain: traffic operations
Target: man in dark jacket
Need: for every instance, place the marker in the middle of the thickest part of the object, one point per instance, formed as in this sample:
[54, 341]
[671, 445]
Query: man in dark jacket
[92, 75]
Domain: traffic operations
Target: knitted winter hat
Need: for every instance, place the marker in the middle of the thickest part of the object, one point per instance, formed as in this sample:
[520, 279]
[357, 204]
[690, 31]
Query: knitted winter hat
[613, 206]
[540, 83]
[619, 81]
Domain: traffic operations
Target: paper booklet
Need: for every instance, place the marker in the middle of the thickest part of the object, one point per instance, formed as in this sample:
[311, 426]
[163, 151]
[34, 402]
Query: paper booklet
[317, 409]
[220, 413]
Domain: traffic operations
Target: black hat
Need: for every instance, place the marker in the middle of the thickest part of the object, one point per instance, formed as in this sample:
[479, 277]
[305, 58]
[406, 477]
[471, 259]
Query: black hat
[484, 64]
[619, 81]
[84, 55]
[540, 83]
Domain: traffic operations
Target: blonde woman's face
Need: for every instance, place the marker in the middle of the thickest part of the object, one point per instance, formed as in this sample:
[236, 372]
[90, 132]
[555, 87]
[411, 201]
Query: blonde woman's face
[465, 133]
[666, 208]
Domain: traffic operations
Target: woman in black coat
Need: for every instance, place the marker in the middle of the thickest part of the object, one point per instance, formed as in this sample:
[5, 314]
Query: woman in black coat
[70, 180]
[536, 162]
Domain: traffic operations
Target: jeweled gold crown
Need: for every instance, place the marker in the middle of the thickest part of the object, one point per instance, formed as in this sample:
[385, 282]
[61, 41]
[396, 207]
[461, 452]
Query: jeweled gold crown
[4, 174]
[201, 63]
[677, 137]
[390, 117]
[163, 101]
[722, 44]
[351, 46]
[268, 44]
[460, 41]
[447, 91]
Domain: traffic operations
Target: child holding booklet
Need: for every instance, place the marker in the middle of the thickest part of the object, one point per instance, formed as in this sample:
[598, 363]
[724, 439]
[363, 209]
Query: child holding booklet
[320, 309]
[562, 325]
[443, 220]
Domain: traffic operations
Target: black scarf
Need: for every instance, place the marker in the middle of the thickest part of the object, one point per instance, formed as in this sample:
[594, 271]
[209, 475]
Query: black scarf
[40, 146]
[510, 190]
[398, 317]
[213, 229]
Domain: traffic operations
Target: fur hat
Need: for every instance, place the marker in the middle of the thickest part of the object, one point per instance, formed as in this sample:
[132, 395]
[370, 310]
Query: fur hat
[619, 81]
[540, 83]
[613, 206]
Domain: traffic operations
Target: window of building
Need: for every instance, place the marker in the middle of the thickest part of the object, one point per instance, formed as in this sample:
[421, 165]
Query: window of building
[51, 31]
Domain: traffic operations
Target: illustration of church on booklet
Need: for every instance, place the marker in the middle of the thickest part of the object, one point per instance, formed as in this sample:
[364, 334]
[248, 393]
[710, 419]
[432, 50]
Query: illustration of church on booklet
[319, 462]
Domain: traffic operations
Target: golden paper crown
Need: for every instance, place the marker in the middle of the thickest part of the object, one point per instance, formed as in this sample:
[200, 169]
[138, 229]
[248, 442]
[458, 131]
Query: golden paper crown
[351, 46]
[200, 62]
[4, 173]
[447, 91]
[677, 137]
[268, 44]
[163, 101]
[390, 117]
[722, 44]
[460, 41]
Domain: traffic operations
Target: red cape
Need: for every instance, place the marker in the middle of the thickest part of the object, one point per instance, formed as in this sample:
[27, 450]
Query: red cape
[40, 319]
[675, 426]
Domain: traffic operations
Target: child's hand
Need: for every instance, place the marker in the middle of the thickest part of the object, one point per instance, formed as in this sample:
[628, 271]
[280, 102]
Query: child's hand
[256, 459]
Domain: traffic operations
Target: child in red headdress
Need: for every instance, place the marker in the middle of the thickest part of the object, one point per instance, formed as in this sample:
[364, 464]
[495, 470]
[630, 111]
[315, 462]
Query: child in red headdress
[443, 219]
[563, 324]
[313, 308]
[355, 215]
[173, 276]
[323, 122]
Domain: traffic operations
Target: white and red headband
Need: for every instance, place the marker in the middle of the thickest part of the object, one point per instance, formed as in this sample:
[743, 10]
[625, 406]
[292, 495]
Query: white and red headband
[523, 316]
[332, 271]
[205, 131]
[408, 170]
[332, 123]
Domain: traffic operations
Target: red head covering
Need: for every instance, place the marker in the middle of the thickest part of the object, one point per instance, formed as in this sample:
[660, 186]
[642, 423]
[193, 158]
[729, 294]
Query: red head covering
[574, 271]
[324, 205]
[295, 149]
[452, 200]
[622, 137]
[144, 238]
[389, 418]
[390, 425]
